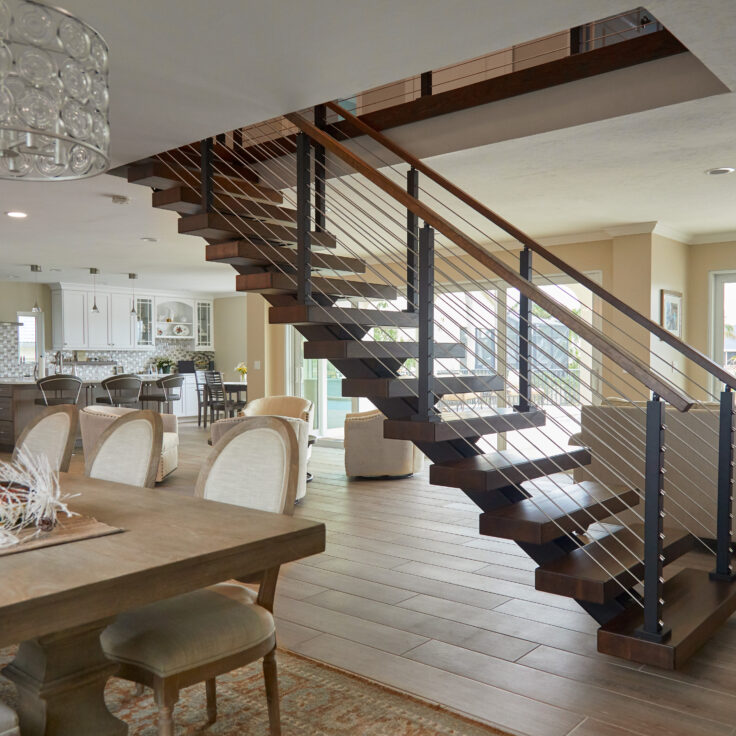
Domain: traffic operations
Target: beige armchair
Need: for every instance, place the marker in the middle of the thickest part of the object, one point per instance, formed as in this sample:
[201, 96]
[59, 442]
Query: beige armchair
[93, 420]
[369, 455]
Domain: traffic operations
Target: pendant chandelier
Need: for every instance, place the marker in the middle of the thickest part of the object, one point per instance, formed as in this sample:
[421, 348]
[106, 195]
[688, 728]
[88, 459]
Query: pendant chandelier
[54, 94]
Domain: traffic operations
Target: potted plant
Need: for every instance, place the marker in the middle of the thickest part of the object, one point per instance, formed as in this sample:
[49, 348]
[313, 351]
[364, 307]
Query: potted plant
[242, 368]
[164, 365]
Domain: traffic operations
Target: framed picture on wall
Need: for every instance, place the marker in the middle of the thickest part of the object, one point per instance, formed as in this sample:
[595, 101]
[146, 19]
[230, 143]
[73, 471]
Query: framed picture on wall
[670, 313]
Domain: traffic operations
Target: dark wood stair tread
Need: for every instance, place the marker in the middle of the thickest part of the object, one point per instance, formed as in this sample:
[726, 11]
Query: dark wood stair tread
[397, 388]
[246, 253]
[300, 314]
[373, 349]
[694, 607]
[593, 572]
[545, 518]
[450, 427]
[499, 469]
[188, 201]
[225, 159]
[216, 226]
[161, 175]
[283, 283]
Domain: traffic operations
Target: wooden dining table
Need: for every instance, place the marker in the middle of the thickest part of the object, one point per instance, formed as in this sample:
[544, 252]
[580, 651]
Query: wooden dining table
[55, 601]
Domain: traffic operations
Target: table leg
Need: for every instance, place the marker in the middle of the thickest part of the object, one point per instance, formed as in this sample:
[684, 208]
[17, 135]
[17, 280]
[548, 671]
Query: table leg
[60, 680]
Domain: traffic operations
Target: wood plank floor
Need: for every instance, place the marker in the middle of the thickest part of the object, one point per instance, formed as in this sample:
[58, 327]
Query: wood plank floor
[408, 594]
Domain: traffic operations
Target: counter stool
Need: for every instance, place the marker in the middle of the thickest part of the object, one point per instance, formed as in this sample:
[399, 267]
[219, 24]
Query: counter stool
[124, 390]
[59, 389]
[169, 390]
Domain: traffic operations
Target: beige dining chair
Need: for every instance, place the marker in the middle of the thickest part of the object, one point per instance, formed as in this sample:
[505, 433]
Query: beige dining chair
[51, 433]
[129, 450]
[8, 721]
[194, 637]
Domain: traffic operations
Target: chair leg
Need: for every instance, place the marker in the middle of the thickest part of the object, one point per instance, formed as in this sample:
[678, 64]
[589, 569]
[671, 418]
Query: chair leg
[211, 690]
[165, 701]
[270, 676]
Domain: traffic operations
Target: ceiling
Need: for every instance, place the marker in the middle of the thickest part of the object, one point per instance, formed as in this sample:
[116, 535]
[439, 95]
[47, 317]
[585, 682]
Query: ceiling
[182, 70]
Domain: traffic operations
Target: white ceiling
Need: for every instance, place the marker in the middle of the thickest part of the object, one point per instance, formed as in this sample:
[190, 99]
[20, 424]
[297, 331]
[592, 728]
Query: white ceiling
[181, 70]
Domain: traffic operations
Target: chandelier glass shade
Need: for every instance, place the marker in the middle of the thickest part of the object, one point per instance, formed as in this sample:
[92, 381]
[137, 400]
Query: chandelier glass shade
[54, 94]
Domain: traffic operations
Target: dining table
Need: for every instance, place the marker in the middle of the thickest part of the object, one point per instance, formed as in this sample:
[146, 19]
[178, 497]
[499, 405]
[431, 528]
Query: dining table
[56, 600]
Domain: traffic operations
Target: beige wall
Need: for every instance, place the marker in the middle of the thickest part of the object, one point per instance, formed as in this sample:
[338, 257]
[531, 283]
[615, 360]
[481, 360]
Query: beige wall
[267, 349]
[19, 297]
[230, 333]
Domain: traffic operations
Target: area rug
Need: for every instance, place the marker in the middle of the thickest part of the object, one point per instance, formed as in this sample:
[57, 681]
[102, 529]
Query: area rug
[316, 700]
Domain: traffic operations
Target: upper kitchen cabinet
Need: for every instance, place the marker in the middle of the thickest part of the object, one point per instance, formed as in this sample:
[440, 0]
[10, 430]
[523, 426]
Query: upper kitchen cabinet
[204, 326]
[69, 319]
[183, 319]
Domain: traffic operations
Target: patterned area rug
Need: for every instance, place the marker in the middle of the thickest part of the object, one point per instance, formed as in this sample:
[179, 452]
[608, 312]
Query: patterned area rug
[315, 701]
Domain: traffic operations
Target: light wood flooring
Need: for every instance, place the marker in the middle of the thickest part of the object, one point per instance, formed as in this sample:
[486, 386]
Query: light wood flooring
[408, 594]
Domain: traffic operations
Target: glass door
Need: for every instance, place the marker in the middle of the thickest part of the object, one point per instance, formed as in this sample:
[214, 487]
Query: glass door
[723, 338]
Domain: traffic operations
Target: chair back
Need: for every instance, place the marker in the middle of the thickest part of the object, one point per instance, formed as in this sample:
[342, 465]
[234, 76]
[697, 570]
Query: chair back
[215, 387]
[124, 389]
[281, 406]
[169, 385]
[60, 389]
[129, 450]
[51, 433]
[255, 465]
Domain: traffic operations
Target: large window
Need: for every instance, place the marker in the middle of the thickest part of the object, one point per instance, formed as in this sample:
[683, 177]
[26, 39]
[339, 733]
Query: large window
[30, 337]
[724, 320]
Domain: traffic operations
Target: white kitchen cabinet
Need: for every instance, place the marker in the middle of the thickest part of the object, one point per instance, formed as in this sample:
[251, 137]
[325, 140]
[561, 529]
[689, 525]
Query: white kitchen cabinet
[122, 321]
[69, 316]
[98, 323]
[204, 328]
[187, 407]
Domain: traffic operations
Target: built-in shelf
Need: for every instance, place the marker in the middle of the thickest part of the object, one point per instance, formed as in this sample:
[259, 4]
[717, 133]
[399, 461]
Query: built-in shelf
[166, 322]
[175, 337]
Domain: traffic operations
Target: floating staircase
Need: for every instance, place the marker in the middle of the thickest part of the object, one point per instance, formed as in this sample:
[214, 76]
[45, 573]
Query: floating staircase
[559, 525]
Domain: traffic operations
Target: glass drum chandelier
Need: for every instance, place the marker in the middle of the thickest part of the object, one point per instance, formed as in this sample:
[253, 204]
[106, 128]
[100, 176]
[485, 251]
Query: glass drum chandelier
[54, 94]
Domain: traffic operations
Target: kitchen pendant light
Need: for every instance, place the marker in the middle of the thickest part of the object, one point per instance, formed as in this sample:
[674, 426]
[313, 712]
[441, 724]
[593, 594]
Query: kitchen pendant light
[134, 310]
[35, 270]
[95, 309]
[54, 94]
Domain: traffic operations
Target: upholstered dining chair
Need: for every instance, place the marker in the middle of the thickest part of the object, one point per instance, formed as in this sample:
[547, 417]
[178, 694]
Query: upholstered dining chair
[59, 389]
[194, 637]
[51, 433]
[122, 390]
[129, 450]
[8, 721]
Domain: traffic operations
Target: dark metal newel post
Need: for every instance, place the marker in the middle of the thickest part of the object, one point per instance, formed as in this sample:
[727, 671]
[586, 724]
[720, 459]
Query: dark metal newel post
[525, 270]
[425, 369]
[412, 243]
[320, 169]
[206, 174]
[303, 220]
[654, 628]
[724, 515]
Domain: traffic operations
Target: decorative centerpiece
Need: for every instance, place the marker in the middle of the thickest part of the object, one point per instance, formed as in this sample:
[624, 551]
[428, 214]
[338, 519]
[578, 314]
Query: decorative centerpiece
[30, 498]
[164, 365]
[242, 368]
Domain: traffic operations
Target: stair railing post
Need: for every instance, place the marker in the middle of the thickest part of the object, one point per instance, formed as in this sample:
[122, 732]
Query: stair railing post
[525, 270]
[425, 369]
[303, 220]
[654, 628]
[320, 169]
[724, 514]
[412, 243]
[206, 174]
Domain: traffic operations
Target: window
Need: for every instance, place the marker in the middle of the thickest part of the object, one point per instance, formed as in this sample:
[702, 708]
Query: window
[723, 339]
[30, 337]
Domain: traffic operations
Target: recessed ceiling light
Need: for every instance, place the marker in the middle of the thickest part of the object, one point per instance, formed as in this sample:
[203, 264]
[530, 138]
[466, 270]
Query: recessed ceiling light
[720, 170]
[17, 214]
[149, 240]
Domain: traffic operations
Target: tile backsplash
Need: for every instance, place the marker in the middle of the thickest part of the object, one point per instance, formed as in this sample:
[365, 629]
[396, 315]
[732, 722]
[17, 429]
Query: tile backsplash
[132, 361]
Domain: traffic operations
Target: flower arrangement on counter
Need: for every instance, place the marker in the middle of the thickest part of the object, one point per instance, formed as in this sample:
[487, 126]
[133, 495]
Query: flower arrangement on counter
[30, 496]
[164, 365]
[242, 368]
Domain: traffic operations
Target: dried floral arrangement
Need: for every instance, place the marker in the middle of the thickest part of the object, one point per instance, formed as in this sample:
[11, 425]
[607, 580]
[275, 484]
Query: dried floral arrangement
[30, 496]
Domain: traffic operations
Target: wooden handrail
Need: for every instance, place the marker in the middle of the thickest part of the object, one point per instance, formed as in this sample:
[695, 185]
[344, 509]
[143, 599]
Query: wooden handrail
[672, 340]
[588, 332]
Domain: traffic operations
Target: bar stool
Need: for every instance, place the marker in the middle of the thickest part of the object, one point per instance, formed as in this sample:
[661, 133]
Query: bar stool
[59, 389]
[169, 391]
[124, 390]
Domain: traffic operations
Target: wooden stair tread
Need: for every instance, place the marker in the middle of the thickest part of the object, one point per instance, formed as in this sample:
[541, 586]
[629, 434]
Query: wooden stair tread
[247, 253]
[161, 175]
[300, 314]
[216, 226]
[224, 159]
[694, 607]
[187, 201]
[581, 574]
[499, 469]
[543, 519]
[396, 388]
[283, 283]
[449, 427]
[373, 349]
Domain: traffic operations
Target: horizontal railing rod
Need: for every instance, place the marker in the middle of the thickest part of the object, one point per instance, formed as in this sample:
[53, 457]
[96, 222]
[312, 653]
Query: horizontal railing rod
[591, 334]
[680, 345]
